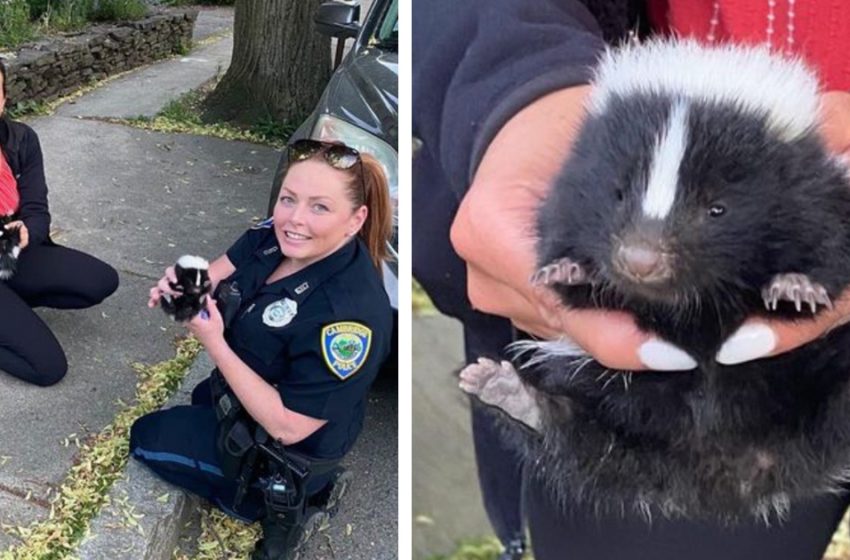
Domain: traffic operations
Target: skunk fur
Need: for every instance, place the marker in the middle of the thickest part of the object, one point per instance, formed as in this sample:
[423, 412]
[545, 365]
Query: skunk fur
[697, 194]
[193, 283]
[10, 248]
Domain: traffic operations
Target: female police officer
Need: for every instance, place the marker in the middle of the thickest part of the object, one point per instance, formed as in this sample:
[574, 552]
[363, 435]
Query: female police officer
[309, 325]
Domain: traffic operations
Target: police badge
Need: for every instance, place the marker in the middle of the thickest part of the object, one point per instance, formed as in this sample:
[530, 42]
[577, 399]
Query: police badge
[280, 313]
[345, 347]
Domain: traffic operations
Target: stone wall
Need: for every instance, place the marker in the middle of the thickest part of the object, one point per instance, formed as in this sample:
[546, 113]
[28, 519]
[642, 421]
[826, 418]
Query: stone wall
[51, 68]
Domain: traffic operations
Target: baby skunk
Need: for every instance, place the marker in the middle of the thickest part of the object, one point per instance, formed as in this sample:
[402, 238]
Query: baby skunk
[697, 194]
[10, 248]
[193, 283]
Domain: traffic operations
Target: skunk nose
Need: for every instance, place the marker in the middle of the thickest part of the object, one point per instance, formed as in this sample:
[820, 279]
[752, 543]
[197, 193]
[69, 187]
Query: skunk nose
[642, 262]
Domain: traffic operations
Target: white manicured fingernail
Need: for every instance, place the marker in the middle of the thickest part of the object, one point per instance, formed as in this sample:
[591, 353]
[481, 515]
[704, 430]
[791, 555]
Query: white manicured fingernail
[750, 342]
[659, 355]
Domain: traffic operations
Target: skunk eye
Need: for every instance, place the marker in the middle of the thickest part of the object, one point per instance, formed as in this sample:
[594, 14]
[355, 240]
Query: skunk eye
[619, 194]
[716, 211]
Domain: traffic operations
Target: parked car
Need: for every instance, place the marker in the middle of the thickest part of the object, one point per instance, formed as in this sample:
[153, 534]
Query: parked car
[359, 106]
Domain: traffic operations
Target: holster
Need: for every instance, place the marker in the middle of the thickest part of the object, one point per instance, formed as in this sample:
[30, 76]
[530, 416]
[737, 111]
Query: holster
[235, 434]
[247, 452]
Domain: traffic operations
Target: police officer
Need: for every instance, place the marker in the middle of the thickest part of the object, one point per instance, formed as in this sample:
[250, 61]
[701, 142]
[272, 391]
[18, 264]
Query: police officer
[300, 331]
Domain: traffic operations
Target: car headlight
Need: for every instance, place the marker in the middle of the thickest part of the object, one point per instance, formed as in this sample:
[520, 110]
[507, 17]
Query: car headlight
[330, 128]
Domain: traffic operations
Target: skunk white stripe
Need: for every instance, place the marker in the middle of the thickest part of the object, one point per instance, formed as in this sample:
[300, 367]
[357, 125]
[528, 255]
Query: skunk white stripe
[189, 261]
[664, 172]
[750, 77]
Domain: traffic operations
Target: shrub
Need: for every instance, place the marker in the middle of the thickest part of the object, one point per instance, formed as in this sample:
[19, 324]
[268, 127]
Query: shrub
[15, 25]
[117, 10]
[61, 15]
[202, 2]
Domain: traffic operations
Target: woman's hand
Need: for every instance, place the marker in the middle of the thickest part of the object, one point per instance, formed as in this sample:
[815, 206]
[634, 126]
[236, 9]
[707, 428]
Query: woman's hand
[22, 229]
[208, 327]
[163, 286]
[493, 233]
[759, 338]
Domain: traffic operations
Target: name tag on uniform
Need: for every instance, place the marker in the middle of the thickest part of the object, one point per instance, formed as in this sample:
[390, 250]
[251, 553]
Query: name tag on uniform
[280, 313]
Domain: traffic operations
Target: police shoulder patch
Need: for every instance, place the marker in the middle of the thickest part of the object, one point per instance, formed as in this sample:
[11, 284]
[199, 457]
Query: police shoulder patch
[265, 224]
[345, 347]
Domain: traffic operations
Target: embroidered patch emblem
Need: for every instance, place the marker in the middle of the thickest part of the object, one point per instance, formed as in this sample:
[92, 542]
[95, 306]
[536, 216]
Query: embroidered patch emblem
[280, 313]
[345, 347]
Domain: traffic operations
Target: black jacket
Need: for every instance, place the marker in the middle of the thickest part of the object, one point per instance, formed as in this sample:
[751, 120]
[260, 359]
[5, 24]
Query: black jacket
[476, 64]
[20, 145]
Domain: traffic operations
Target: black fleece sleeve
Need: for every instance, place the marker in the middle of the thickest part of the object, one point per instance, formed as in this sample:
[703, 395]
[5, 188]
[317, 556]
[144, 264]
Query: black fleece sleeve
[33, 189]
[478, 62]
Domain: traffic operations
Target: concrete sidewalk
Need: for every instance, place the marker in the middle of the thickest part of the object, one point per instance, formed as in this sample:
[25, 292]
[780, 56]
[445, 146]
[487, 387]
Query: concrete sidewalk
[138, 200]
[447, 507]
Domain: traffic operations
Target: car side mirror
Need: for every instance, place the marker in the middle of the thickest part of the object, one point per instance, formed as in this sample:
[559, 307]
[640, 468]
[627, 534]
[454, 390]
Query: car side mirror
[339, 20]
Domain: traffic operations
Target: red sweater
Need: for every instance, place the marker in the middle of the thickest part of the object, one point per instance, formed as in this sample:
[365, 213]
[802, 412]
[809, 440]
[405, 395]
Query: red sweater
[821, 29]
[9, 197]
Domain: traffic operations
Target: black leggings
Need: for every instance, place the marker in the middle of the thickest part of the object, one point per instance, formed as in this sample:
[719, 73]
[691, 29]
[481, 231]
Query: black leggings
[581, 535]
[47, 276]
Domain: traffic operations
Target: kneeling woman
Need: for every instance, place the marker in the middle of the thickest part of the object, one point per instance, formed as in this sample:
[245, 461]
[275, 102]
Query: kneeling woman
[46, 275]
[306, 327]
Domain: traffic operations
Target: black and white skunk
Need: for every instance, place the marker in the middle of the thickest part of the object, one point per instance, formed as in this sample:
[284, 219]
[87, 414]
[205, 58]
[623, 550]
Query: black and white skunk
[10, 248]
[193, 283]
[697, 194]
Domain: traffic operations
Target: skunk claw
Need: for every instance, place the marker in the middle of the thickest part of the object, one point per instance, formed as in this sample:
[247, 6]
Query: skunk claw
[810, 299]
[561, 271]
[797, 289]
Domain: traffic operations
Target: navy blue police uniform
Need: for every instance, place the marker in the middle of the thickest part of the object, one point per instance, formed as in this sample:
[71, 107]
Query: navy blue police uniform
[320, 336]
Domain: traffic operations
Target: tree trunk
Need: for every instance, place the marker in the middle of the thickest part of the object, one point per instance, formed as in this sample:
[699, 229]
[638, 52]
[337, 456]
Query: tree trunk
[280, 64]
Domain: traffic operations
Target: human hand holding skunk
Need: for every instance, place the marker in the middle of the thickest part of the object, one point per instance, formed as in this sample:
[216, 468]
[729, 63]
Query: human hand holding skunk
[493, 233]
[22, 231]
[494, 227]
[760, 338]
[208, 326]
[163, 287]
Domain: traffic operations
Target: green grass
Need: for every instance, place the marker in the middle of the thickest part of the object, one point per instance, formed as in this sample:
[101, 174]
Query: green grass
[480, 549]
[15, 24]
[184, 114]
[25, 20]
[67, 15]
[422, 304]
[30, 108]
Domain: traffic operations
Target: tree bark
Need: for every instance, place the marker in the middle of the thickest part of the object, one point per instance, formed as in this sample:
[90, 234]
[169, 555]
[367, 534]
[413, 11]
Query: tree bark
[279, 67]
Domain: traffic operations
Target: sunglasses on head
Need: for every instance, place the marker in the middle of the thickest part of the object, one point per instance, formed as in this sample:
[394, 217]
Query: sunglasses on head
[338, 156]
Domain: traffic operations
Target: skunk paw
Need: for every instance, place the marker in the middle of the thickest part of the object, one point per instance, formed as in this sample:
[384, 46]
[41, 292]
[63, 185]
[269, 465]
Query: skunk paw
[499, 385]
[797, 289]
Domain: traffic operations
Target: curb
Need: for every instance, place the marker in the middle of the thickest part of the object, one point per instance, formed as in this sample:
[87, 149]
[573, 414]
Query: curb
[144, 515]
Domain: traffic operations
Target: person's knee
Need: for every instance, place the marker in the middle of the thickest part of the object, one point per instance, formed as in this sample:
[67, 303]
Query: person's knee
[51, 369]
[140, 435]
[105, 284]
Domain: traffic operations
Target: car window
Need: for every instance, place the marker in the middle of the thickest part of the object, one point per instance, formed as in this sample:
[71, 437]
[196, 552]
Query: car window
[386, 32]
